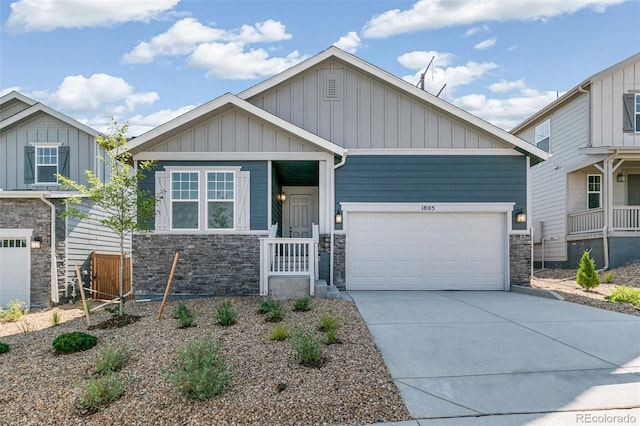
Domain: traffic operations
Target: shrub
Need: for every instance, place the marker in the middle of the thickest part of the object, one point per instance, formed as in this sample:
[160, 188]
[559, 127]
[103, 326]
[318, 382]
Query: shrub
[267, 304]
[608, 277]
[226, 313]
[329, 324]
[185, 315]
[55, 318]
[101, 391]
[14, 311]
[587, 276]
[307, 347]
[279, 332]
[625, 294]
[110, 359]
[302, 304]
[201, 370]
[3, 347]
[275, 314]
[74, 342]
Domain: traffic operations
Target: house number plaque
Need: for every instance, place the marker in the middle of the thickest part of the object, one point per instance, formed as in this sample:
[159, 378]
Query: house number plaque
[428, 208]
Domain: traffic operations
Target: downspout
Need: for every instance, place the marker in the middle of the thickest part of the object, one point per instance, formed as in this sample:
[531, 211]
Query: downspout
[333, 209]
[54, 267]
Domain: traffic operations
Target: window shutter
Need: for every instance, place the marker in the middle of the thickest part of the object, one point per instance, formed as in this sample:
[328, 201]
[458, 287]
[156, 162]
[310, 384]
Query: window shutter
[29, 164]
[243, 201]
[628, 112]
[63, 160]
[162, 188]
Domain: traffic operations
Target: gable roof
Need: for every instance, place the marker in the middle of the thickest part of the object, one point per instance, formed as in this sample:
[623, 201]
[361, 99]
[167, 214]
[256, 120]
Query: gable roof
[573, 92]
[437, 103]
[36, 107]
[227, 100]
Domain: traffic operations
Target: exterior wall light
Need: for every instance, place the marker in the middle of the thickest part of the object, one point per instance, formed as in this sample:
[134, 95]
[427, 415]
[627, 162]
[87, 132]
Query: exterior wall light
[281, 197]
[521, 217]
[338, 216]
[621, 177]
[36, 242]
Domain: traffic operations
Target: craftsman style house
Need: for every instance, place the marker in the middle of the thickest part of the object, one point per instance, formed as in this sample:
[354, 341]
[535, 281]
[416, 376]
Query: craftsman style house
[587, 195]
[334, 169]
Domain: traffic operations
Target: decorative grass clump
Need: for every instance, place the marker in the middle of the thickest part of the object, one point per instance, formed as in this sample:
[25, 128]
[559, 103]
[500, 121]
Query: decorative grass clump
[608, 277]
[111, 359]
[100, 391]
[329, 323]
[75, 341]
[226, 313]
[14, 311]
[625, 294]
[186, 316]
[302, 304]
[587, 276]
[280, 332]
[3, 347]
[307, 347]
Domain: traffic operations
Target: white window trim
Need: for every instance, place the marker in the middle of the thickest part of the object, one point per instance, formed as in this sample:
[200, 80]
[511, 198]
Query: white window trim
[171, 200]
[637, 112]
[544, 125]
[207, 200]
[36, 178]
[594, 192]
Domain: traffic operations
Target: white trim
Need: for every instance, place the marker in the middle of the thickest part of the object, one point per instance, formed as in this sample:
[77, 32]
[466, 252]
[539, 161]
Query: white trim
[35, 165]
[269, 190]
[349, 207]
[45, 144]
[231, 156]
[171, 200]
[529, 220]
[16, 233]
[595, 192]
[208, 232]
[436, 151]
[16, 95]
[38, 194]
[38, 107]
[207, 200]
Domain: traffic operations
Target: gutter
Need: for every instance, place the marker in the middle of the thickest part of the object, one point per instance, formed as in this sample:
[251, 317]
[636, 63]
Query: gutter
[333, 209]
[54, 269]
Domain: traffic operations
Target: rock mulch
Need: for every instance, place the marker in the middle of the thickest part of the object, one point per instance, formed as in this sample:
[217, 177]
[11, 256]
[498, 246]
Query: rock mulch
[269, 386]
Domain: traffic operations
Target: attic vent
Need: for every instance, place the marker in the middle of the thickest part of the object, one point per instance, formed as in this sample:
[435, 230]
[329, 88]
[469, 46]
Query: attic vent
[331, 87]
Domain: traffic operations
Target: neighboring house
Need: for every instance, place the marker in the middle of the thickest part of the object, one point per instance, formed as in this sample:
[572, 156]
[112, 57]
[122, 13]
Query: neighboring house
[587, 195]
[38, 247]
[407, 191]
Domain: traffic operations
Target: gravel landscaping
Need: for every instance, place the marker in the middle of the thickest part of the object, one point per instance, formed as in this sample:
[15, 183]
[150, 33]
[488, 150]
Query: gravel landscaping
[268, 386]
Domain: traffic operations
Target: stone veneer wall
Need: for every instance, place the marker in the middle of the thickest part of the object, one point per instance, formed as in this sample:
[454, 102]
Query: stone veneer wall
[520, 259]
[339, 261]
[212, 264]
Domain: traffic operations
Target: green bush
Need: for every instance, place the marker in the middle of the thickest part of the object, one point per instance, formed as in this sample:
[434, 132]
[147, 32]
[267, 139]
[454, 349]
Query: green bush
[101, 391]
[625, 294]
[14, 311]
[3, 347]
[201, 371]
[185, 315]
[608, 277]
[75, 341]
[275, 314]
[302, 304]
[587, 276]
[329, 324]
[110, 359]
[267, 304]
[226, 314]
[307, 347]
[279, 332]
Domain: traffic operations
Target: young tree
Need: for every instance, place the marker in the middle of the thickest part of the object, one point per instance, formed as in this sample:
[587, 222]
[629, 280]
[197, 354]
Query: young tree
[128, 208]
[587, 276]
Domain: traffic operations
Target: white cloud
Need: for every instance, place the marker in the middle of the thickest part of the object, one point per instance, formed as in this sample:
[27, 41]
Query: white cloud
[504, 86]
[434, 14]
[349, 43]
[47, 15]
[485, 44]
[418, 60]
[139, 124]
[473, 30]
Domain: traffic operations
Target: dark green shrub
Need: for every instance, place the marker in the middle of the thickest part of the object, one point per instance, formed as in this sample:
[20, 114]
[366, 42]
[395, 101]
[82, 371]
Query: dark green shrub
[201, 371]
[73, 342]
[110, 359]
[307, 347]
[3, 347]
[625, 294]
[275, 314]
[101, 391]
[226, 314]
[587, 276]
[185, 315]
[266, 304]
[14, 311]
[302, 304]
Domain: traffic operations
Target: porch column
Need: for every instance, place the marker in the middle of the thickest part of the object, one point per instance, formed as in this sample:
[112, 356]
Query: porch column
[608, 184]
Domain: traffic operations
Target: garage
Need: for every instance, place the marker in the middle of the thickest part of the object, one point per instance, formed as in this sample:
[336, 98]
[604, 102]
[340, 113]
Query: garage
[426, 246]
[15, 261]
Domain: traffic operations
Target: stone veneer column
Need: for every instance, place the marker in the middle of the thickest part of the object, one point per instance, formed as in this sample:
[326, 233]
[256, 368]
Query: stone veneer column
[339, 261]
[520, 259]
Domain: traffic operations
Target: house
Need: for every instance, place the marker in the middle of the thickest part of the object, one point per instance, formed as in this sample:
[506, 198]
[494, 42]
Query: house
[397, 188]
[38, 246]
[587, 195]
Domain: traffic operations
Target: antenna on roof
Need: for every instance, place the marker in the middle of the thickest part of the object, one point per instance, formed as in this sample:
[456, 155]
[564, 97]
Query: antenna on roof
[438, 95]
[421, 82]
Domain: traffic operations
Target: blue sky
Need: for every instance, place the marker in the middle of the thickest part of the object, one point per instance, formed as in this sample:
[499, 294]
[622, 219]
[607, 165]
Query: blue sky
[147, 61]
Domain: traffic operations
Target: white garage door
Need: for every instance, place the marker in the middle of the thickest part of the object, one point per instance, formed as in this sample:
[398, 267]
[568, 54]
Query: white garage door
[15, 266]
[426, 251]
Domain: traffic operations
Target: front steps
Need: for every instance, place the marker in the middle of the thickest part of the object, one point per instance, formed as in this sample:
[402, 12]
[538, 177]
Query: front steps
[297, 286]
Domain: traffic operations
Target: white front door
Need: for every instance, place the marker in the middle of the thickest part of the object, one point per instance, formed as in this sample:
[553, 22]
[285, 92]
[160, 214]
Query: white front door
[299, 211]
[15, 266]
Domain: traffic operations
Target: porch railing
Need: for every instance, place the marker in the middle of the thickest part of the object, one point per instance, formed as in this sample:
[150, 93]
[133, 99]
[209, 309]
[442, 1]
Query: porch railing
[288, 256]
[625, 218]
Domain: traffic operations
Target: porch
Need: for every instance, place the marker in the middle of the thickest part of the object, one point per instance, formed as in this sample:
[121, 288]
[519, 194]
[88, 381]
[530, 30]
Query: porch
[623, 218]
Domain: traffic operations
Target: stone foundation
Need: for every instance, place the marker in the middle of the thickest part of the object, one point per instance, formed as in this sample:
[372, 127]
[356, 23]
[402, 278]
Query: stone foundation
[520, 260]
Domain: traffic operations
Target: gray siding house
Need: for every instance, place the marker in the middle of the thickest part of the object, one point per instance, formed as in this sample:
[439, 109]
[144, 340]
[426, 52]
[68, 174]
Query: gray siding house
[392, 187]
[587, 195]
[38, 247]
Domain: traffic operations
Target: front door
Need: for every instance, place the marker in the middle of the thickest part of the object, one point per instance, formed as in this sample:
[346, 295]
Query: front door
[300, 211]
[633, 188]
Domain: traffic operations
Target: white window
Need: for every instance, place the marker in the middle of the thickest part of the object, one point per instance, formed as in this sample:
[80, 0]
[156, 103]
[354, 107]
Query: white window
[185, 196]
[220, 200]
[46, 164]
[594, 191]
[543, 136]
[637, 109]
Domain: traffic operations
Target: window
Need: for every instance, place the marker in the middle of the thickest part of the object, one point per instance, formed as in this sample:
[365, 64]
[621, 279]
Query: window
[220, 200]
[543, 136]
[631, 112]
[185, 197]
[594, 191]
[637, 113]
[46, 164]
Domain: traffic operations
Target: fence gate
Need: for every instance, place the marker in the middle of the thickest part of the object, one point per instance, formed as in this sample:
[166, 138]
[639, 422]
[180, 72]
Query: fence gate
[105, 270]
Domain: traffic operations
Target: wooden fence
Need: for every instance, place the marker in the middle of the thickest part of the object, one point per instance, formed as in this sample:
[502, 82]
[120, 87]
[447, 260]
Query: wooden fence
[105, 269]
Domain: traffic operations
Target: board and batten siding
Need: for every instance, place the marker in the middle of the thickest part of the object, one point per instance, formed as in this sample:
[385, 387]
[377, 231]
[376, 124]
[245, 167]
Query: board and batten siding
[367, 113]
[438, 178]
[232, 131]
[12, 108]
[43, 128]
[607, 107]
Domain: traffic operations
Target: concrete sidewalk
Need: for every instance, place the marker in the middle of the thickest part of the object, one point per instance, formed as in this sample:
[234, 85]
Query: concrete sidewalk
[463, 358]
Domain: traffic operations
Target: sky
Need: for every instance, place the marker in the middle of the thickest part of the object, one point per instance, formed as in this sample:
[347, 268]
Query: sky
[145, 62]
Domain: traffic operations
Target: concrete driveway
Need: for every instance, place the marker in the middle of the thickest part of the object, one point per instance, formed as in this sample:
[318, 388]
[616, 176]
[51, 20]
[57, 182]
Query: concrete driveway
[462, 355]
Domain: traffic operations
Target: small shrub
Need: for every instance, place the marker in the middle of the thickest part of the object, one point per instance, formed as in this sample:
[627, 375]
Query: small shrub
[587, 276]
[201, 371]
[185, 315]
[267, 304]
[307, 347]
[110, 359]
[55, 318]
[329, 324]
[3, 347]
[275, 314]
[14, 311]
[625, 294]
[226, 313]
[279, 332]
[101, 391]
[74, 342]
[608, 277]
[179, 309]
[302, 304]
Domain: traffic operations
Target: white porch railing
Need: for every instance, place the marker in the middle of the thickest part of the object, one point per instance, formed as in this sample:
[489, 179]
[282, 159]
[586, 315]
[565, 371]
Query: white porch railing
[626, 218]
[288, 256]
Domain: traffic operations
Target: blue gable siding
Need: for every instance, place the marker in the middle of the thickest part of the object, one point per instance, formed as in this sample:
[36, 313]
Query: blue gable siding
[259, 185]
[437, 178]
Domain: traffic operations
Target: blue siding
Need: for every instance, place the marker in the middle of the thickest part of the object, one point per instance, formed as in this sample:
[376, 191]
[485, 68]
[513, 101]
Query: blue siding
[438, 178]
[259, 185]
